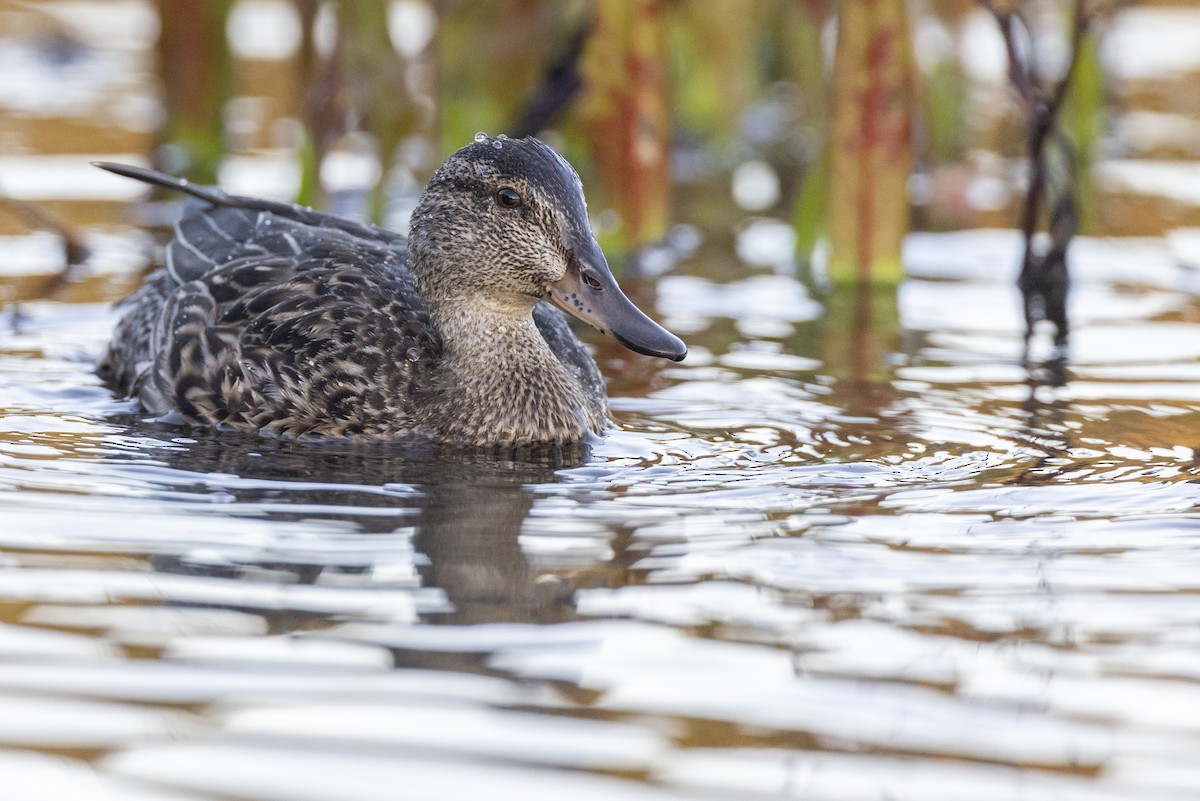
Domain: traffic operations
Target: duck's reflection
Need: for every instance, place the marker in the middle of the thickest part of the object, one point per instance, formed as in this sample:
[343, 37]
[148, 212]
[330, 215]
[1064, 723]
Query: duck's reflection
[466, 511]
[470, 534]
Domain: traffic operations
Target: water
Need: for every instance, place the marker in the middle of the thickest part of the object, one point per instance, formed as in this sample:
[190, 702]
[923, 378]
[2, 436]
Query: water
[940, 578]
[851, 548]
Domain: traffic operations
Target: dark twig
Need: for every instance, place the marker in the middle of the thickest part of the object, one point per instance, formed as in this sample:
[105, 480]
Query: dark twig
[1044, 279]
[74, 251]
[36, 217]
[561, 84]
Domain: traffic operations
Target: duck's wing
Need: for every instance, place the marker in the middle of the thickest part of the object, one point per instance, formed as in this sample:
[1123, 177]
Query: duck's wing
[273, 316]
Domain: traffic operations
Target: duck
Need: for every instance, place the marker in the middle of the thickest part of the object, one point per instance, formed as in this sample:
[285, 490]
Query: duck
[275, 318]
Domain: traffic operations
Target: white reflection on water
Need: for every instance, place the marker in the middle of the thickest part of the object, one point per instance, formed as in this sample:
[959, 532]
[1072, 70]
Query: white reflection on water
[779, 578]
[274, 769]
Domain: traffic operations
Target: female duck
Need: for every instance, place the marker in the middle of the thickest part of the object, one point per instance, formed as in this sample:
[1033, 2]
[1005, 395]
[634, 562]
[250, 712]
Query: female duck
[272, 317]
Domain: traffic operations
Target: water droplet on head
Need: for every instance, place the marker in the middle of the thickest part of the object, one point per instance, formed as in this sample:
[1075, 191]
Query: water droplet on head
[496, 144]
[481, 137]
[413, 355]
[503, 137]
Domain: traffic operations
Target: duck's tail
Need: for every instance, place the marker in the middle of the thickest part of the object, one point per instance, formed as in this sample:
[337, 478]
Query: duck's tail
[210, 194]
[214, 196]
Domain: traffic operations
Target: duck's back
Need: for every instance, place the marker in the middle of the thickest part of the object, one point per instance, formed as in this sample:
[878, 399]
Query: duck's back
[276, 317]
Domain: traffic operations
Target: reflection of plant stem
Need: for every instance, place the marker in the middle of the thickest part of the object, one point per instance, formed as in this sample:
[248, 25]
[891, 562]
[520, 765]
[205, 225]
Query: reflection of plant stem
[1045, 429]
[1044, 280]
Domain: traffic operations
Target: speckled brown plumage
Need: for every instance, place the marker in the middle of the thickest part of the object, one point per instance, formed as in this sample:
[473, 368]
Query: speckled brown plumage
[268, 316]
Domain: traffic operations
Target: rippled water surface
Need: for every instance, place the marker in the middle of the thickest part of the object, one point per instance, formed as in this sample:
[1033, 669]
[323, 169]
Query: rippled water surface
[851, 549]
[814, 561]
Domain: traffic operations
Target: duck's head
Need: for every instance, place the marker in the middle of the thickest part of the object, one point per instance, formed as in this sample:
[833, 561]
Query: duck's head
[503, 223]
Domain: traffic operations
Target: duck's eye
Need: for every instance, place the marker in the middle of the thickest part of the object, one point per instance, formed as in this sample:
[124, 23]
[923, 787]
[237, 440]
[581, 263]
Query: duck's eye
[590, 281]
[508, 197]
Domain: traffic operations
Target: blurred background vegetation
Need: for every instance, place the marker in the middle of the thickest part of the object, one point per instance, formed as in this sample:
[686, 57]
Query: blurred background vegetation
[826, 94]
[853, 121]
[621, 86]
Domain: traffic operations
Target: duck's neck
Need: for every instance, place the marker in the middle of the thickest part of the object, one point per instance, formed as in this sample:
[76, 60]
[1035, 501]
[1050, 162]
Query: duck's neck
[500, 381]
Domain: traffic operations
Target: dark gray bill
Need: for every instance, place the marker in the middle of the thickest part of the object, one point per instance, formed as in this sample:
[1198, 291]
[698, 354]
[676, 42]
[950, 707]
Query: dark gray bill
[589, 291]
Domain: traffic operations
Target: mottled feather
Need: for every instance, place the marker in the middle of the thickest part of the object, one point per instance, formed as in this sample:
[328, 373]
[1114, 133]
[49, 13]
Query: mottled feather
[273, 317]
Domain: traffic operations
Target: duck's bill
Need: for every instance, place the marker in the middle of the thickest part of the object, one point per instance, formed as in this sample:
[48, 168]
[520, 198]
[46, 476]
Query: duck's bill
[589, 292]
